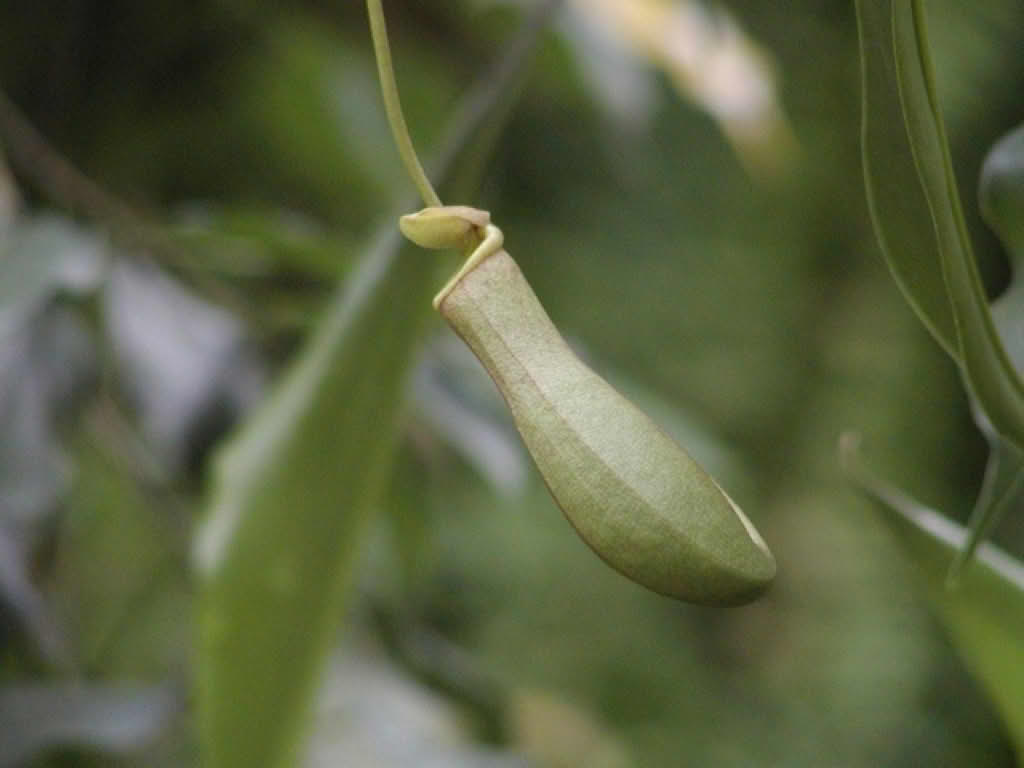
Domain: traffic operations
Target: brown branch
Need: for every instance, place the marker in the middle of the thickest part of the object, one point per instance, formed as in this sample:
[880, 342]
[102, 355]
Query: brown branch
[53, 175]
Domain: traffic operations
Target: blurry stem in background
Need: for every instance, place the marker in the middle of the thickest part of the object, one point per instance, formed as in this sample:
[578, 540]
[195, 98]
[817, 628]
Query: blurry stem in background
[393, 106]
[57, 178]
[10, 200]
[64, 184]
[53, 174]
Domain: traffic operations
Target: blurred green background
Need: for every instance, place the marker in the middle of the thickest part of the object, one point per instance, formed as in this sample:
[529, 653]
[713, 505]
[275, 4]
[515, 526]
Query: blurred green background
[731, 285]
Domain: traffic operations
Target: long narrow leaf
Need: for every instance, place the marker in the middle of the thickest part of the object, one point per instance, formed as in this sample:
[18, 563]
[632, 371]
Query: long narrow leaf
[291, 495]
[990, 375]
[985, 615]
[898, 208]
[916, 212]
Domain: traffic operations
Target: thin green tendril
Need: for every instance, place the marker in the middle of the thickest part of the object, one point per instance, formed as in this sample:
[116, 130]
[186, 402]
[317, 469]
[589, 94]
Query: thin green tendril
[393, 106]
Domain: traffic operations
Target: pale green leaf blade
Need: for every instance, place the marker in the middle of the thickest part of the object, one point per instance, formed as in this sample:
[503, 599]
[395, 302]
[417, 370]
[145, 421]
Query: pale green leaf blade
[990, 375]
[291, 495]
[985, 614]
[898, 208]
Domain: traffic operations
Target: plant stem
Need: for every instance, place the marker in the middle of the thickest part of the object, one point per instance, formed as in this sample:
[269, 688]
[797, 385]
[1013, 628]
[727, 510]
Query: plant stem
[393, 107]
[61, 182]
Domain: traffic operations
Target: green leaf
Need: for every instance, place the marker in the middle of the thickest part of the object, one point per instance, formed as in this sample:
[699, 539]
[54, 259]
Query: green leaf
[985, 614]
[916, 211]
[990, 375]
[896, 202]
[291, 495]
[132, 621]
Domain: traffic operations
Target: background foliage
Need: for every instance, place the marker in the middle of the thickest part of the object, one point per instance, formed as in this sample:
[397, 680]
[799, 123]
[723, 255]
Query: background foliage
[746, 307]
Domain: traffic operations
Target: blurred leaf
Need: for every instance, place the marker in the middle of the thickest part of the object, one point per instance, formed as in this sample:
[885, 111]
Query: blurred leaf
[10, 199]
[21, 597]
[707, 56]
[110, 718]
[43, 365]
[971, 43]
[132, 619]
[43, 255]
[46, 357]
[371, 713]
[409, 526]
[622, 82]
[250, 242]
[896, 201]
[181, 359]
[46, 362]
[291, 493]
[1001, 193]
[985, 614]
